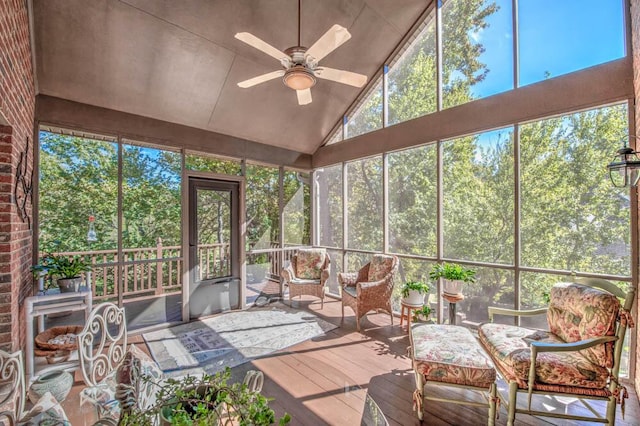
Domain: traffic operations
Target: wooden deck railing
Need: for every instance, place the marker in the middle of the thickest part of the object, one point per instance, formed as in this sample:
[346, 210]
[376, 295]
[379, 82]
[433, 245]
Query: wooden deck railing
[157, 270]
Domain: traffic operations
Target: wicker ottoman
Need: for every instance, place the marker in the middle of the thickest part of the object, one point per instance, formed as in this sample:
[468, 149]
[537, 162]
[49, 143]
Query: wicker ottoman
[450, 355]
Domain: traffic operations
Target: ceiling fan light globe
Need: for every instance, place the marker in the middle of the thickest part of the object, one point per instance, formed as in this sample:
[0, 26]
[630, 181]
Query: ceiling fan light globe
[299, 79]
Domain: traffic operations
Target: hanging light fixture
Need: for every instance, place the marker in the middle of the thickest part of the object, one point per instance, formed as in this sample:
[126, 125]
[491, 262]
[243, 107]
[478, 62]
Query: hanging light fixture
[624, 170]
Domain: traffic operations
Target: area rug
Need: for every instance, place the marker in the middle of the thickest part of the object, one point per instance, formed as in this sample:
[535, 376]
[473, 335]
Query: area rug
[230, 339]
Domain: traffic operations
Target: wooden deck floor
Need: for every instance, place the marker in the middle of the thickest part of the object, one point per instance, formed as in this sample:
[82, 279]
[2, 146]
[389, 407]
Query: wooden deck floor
[327, 379]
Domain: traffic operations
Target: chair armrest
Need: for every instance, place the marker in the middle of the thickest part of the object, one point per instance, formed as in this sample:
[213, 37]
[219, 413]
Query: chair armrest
[537, 347]
[514, 312]
[346, 279]
[369, 285]
[287, 273]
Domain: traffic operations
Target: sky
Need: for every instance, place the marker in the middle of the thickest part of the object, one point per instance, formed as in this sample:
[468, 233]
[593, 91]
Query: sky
[555, 37]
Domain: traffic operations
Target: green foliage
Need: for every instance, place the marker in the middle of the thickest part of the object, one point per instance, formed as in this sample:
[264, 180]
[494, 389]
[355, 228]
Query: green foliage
[414, 285]
[454, 272]
[61, 266]
[205, 401]
[422, 314]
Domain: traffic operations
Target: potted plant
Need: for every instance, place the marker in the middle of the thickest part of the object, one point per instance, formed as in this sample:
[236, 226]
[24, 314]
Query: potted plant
[413, 292]
[454, 276]
[422, 315]
[204, 401]
[67, 269]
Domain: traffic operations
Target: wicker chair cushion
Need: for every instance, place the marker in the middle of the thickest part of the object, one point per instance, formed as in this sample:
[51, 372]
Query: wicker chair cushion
[380, 267]
[303, 282]
[578, 312]
[353, 291]
[450, 354]
[509, 346]
[309, 263]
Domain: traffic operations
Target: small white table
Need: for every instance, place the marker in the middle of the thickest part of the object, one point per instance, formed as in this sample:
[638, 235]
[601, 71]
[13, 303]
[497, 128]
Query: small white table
[50, 303]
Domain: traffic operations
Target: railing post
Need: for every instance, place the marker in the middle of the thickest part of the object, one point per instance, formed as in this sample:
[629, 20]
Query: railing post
[159, 278]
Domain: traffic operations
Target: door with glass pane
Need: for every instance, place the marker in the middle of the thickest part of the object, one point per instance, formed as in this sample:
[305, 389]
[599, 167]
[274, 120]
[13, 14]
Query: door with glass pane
[214, 267]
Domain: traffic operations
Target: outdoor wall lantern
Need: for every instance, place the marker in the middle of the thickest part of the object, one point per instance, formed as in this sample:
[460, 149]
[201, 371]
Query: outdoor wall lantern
[624, 170]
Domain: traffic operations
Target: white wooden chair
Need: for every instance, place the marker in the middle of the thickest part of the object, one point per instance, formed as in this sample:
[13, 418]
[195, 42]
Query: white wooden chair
[13, 396]
[102, 345]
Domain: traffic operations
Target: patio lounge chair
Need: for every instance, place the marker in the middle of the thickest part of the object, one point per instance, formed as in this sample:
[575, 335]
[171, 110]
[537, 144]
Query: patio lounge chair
[578, 357]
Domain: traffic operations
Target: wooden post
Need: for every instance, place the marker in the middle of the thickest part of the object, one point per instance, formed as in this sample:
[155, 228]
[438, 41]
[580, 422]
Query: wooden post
[159, 283]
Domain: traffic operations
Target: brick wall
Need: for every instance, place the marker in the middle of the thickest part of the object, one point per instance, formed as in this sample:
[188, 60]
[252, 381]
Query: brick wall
[17, 104]
[635, 46]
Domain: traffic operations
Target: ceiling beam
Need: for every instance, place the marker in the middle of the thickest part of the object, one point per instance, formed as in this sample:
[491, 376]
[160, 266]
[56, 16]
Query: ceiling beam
[591, 87]
[78, 116]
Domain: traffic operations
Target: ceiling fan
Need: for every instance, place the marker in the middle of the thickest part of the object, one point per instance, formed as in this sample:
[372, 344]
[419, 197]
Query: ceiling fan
[301, 64]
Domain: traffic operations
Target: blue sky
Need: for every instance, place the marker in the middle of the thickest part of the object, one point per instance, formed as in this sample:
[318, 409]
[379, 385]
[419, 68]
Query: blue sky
[555, 37]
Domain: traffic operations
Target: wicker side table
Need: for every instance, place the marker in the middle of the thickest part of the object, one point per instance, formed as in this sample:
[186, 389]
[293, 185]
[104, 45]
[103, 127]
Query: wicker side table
[405, 312]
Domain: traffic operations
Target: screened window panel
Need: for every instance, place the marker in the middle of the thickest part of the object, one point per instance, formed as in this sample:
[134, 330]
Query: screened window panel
[413, 201]
[572, 218]
[368, 117]
[477, 52]
[493, 287]
[297, 209]
[78, 180]
[364, 189]
[330, 206]
[150, 178]
[412, 78]
[478, 197]
[559, 37]
[263, 216]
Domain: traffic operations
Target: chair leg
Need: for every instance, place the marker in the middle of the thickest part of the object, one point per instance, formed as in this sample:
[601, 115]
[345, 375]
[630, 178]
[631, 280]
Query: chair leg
[322, 298]
[342, 312]
[357, 323]
[418, 397]
[493, 393]
[611, 410]
[391, 314]
[513, 400]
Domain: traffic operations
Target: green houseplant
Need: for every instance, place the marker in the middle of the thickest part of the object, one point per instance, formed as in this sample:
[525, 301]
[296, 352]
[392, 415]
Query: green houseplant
[422, 315]
[413, 292]
[67, 270]
[205, 400]
[454, 276]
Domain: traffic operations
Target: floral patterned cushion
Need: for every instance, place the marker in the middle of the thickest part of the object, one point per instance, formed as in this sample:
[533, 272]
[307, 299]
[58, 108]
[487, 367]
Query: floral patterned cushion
[379, 267]
[578, 312]
[450, 354]
[47, 411]
[102, 397]
[309, 263]
[509, 347]
[138, 379]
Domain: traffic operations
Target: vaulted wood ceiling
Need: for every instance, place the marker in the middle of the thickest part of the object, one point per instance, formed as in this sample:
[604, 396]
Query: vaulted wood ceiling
[178, 61]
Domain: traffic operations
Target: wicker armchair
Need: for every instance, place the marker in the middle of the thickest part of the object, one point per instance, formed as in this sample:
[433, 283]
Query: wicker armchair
[370, 287]
[307, 273]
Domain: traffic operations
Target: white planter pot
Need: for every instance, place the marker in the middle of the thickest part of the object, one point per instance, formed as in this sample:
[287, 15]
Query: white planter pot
[452, 287]
[415, 298]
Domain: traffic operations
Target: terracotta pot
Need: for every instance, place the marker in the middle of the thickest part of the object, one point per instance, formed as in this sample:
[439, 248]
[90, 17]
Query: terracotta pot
[69, 285]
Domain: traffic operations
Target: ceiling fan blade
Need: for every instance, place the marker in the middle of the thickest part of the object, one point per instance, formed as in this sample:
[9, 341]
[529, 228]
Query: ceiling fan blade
[261, 79]
[263, 46]
[304, 96]
[344, 77]
[329, 41]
